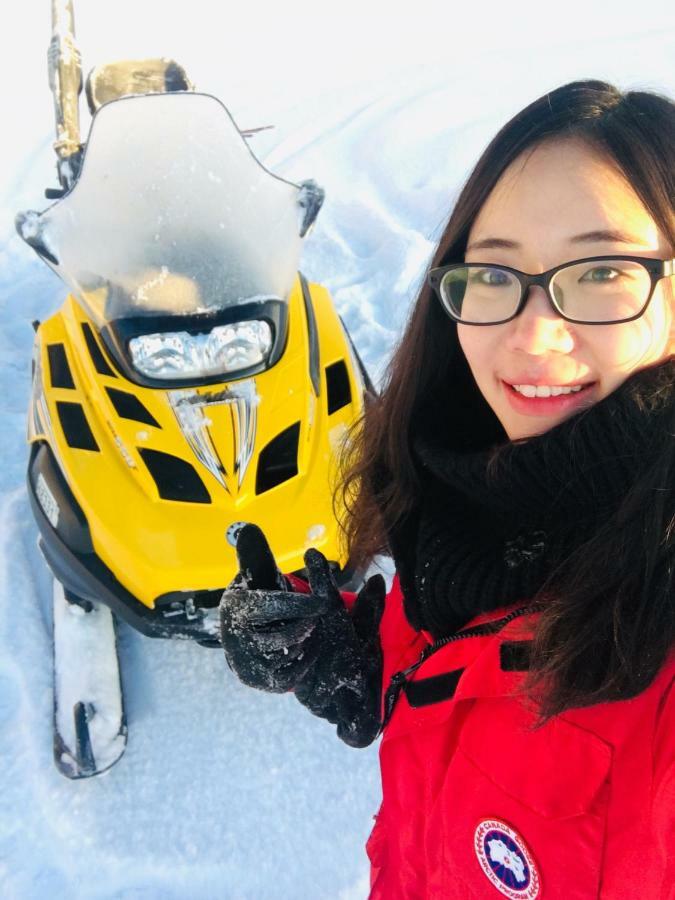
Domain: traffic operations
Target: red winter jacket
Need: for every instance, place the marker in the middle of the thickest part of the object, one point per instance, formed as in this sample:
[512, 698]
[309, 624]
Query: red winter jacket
[476, 804]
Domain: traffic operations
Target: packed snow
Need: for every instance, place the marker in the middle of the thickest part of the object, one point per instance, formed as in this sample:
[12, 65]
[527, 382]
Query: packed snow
[223, 791]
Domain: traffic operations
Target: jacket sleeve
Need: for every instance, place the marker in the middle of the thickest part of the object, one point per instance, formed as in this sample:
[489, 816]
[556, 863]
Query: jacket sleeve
[663, 797]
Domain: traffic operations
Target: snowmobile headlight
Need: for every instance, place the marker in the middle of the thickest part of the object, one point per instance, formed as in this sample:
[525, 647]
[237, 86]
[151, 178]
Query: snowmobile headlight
[225, 349]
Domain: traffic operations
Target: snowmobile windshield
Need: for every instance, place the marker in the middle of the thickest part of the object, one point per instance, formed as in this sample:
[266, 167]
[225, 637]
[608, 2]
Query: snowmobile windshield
[172, 214]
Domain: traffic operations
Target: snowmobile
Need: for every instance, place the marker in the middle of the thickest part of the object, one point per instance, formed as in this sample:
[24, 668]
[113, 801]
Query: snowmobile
[192, 381]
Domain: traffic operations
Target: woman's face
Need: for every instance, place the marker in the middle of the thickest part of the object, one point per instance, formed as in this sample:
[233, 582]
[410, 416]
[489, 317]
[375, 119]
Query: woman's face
[559, 203]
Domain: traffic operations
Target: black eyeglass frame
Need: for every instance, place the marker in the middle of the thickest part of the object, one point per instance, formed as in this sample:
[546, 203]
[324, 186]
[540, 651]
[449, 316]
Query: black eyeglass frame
[656, 268]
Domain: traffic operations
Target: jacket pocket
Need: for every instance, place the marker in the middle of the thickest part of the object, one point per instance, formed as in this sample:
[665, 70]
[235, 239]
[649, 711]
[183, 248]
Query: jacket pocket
[522, 812]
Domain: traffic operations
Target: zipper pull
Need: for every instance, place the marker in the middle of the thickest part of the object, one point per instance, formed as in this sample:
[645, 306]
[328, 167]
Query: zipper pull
[393, 692]
[391, 696]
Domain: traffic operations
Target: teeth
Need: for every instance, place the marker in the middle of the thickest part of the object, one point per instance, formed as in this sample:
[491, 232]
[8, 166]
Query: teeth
[527, 390]
[545, 390]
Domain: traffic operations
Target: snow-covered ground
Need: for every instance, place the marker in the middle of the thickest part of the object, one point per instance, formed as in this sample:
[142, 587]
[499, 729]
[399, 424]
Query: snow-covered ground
[225, 792]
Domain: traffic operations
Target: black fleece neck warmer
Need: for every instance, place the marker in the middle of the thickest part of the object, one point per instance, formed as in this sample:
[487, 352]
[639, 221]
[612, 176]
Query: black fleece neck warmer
[492, 524]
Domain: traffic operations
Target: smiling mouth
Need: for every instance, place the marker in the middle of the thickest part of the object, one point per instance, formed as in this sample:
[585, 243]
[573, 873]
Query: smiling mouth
[547, 390]
[548, 402]
[546, 399]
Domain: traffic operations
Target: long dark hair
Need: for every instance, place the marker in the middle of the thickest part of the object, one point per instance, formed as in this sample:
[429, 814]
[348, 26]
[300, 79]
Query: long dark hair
[608, 625]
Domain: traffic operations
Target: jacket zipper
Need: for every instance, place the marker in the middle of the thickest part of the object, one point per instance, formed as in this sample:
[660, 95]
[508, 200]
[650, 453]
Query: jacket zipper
[393, 692]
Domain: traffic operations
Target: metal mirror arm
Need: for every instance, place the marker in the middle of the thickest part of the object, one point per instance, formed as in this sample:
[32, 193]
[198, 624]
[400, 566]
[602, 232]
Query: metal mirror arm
[65, 81]
[310, 199]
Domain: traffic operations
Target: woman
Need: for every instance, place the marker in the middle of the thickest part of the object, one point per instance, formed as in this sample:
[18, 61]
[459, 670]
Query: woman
[526, 493]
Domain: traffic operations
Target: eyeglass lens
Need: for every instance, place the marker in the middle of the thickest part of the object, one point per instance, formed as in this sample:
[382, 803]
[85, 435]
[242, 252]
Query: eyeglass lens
[598, 291]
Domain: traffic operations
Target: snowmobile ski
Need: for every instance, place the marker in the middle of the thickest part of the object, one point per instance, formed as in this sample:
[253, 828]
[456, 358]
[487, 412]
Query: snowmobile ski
[90, 729]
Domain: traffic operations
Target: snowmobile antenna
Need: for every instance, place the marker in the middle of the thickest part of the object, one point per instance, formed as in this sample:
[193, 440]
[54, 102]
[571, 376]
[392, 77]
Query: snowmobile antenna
[65, 81]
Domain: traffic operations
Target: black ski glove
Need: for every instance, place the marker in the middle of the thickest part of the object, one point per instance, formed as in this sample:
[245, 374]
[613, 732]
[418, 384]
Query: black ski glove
[278, 640]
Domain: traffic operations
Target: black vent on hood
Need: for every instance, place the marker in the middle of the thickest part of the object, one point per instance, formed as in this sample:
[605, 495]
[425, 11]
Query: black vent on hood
[175, 478]
[59, 370]
[75, 427]
[128, 406]
[97, 357]
[278, 460]
[338, 389]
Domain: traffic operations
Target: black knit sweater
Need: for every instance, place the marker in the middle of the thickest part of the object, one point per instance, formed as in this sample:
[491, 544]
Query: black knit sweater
[493, 524]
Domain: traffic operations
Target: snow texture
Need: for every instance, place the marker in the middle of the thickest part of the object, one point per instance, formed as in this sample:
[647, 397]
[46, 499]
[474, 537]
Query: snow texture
[227, 792]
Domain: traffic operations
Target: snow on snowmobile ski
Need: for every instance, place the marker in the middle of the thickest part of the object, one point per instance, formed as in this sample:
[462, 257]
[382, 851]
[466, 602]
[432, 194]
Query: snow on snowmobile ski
[192, 381]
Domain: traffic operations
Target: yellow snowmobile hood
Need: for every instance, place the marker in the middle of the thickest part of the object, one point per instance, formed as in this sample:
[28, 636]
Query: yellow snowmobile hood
[165, 477]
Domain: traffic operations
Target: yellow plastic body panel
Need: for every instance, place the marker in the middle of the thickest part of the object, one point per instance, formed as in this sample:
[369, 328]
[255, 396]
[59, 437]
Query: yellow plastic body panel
[153, 545]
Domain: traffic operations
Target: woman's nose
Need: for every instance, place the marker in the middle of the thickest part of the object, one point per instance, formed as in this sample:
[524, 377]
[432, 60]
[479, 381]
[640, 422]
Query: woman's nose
[539, 329]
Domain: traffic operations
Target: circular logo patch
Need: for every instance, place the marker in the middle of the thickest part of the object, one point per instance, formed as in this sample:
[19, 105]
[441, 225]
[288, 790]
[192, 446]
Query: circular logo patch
[232, 532]
[506, 861]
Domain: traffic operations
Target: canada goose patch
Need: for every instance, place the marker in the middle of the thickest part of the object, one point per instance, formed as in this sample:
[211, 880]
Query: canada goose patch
[506, 860]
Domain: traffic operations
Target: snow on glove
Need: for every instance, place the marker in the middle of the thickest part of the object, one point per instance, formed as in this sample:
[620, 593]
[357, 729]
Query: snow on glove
[257, 567]
[343, 682]
[264, 625]
[278, 640]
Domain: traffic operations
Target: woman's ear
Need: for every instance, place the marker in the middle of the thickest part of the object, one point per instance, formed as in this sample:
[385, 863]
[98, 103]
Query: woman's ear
[669, 292]
[667, 287]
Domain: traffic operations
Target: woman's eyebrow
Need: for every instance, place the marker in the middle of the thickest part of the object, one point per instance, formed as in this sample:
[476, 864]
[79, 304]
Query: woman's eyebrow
[588, 237]
[608, 235]
[494, 243]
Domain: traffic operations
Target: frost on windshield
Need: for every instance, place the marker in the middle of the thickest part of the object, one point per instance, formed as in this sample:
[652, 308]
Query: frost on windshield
[172, 214]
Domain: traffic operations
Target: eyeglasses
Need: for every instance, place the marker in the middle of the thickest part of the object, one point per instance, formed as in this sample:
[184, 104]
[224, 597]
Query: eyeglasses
[599, 290]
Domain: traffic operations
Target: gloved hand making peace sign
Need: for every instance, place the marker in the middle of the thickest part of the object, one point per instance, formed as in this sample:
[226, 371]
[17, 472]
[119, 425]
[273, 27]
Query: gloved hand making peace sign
[276, 639]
